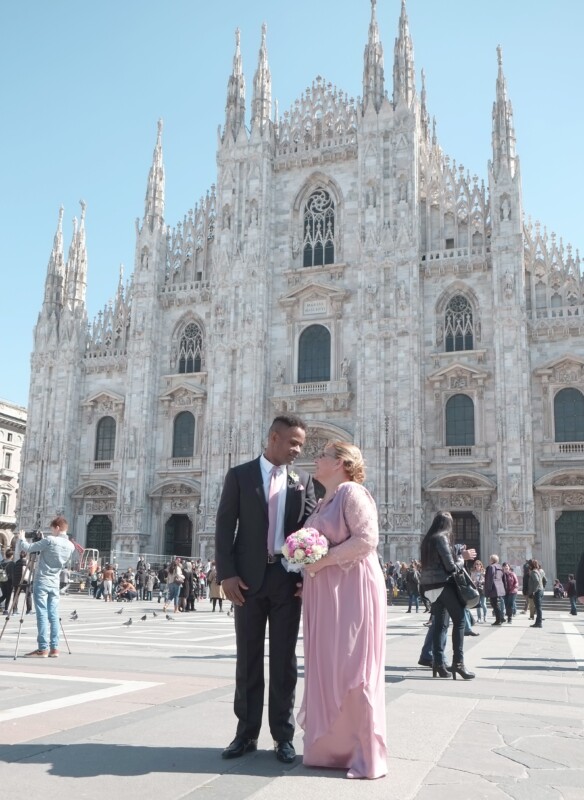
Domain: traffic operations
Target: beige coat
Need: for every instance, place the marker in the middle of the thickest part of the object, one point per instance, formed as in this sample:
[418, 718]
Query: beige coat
[215, 589]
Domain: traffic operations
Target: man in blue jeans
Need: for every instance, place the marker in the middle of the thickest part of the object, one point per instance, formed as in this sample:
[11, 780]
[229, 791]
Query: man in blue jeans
[53, 552]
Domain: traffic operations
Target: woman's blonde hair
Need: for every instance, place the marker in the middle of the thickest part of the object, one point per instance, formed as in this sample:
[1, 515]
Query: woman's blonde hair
[352, 459]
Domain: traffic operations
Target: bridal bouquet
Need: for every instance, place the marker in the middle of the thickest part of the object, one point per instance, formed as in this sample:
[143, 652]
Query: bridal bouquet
[304, 547]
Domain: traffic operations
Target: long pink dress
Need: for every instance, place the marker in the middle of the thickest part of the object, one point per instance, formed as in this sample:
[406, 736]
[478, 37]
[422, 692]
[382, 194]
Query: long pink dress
[344, 613]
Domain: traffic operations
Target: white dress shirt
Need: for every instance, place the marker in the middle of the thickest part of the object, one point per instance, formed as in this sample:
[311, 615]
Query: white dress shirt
[282, 485]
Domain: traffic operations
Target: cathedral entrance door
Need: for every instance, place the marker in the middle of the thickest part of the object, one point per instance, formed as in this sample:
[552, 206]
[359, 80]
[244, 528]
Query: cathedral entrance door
[467, 530]
[569, 543]
[178, 536]
[99, 534]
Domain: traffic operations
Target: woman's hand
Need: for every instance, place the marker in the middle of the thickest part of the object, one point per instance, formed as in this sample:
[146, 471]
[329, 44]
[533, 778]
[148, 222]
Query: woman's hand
[310, 570]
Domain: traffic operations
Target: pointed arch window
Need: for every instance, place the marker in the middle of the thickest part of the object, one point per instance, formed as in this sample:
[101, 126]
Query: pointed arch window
[458, 325]
[105, 439]
[569, 415]
[190, 355]
[183, 439]
[314, 355]
[319, 230]
[460, 424]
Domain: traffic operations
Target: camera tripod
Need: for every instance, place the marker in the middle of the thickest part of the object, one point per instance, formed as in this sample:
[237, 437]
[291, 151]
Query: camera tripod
[25, 584]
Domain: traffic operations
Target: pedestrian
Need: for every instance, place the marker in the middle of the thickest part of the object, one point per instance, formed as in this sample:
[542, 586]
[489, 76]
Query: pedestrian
[528, 601]
[163, 583]
[186, 589]
[413, 586]
[53, 552]
[495, 589]
[536, 587]
[149, 583]
[262, 502]
[7, 568]
[572, 594]
[439, 559]
[176, 579]
[510, 583]
[20, 579]
[108, 576]
[478, 578]
[216, 593]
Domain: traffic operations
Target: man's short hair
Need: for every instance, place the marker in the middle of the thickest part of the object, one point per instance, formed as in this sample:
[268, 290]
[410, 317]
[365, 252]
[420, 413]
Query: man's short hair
[287, 421]
[60, 523]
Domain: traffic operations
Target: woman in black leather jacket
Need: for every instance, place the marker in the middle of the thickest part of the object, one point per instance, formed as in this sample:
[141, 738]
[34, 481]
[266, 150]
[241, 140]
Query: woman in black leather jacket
[439, 562]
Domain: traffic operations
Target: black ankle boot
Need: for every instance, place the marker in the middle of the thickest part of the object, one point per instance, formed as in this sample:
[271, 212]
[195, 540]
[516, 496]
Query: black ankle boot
[440, 671]
[462, 671]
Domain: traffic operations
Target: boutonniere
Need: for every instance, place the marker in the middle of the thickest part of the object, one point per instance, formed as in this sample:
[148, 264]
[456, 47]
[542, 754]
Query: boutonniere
[294, 480]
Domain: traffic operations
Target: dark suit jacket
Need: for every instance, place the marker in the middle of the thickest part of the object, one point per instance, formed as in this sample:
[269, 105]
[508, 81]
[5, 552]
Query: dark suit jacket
[241, 529]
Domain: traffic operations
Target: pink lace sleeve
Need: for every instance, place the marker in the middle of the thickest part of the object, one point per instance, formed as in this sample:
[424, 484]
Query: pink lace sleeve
[360, 516]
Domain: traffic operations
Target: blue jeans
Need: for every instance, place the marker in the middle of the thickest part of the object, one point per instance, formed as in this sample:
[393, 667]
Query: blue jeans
[573, 608]
[414, 598]
[427, 652]
[537, 599]
[482, 608]
[510, 605]
[448, 601]
[173, 593]
[46, 602]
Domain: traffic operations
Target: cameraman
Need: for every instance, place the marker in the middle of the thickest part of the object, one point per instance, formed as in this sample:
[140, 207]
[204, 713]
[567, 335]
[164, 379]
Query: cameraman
[53, 553]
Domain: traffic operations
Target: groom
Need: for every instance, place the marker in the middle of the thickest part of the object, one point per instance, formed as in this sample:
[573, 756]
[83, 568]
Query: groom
[262, 502]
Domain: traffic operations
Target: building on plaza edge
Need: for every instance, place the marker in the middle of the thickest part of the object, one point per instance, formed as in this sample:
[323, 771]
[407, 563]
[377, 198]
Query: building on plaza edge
[12, 430]
[342, 268]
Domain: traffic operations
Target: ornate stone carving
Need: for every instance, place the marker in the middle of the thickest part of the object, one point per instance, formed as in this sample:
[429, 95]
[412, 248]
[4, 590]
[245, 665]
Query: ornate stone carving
[573, 498]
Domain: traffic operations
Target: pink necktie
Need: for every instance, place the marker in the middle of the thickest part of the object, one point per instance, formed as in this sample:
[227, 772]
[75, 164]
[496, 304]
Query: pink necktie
[273, 496]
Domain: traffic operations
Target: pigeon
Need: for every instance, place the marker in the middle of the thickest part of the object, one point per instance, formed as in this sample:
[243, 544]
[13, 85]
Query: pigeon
[74, 616]
[154, 614]
[121, 611]
[128, 623]
[170, 618]
[144, 618]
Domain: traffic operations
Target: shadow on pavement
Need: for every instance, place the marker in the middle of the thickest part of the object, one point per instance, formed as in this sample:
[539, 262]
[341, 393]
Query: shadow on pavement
[92, 759]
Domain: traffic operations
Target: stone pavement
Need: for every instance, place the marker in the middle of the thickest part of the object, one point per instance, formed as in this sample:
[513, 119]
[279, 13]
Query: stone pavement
[143, 711]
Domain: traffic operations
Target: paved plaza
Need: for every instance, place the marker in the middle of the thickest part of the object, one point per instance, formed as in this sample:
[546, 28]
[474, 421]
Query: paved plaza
[143, 711]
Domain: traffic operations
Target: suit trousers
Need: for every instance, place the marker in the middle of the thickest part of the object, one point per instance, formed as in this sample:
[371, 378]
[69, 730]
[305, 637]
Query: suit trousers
[274, 603]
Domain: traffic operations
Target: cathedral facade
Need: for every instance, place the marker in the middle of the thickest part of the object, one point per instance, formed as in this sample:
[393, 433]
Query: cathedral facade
[342, 268]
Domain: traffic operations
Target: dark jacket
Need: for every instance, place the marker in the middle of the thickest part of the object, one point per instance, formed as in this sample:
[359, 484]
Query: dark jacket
[241, 532]
[536, 578]
[494, 586]
[438, 562]
[413, 581]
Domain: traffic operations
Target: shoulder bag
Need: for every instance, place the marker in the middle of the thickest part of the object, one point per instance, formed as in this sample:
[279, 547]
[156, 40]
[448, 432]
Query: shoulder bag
[467, 592]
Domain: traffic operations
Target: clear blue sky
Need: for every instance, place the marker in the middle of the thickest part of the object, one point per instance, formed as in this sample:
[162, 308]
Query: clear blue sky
[85, 82]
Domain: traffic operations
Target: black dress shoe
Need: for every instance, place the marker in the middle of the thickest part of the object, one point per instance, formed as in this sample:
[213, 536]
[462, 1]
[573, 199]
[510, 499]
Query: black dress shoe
[239, 747]
[285, 752]
[425, 662]
[472, 633]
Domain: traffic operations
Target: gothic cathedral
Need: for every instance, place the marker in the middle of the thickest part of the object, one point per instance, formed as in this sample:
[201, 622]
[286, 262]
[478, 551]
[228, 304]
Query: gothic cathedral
[343, 268]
